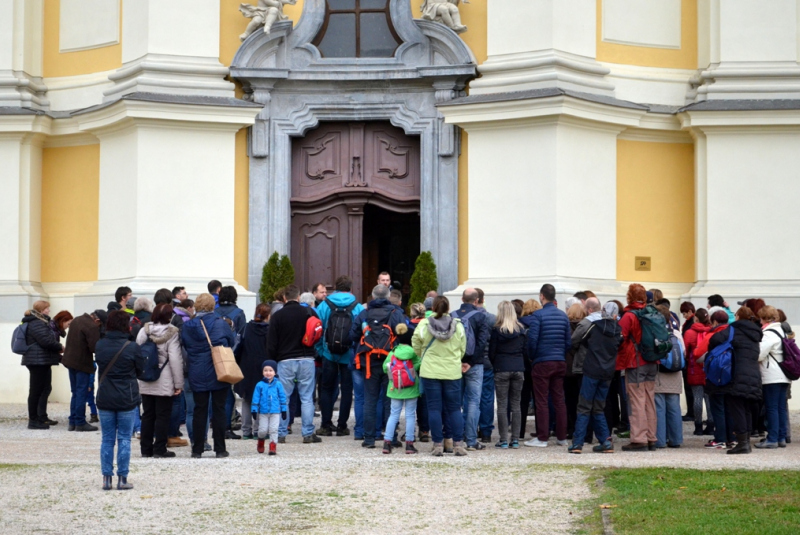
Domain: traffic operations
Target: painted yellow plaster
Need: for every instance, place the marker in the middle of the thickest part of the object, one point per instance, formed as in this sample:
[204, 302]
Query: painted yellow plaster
[56, 64]
[683, 58]
[242, 209]
[655, 210]
[474, 16]
[70, 213]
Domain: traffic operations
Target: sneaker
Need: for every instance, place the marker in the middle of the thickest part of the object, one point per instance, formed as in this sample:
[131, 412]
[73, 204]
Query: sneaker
[514, 444]
[607, 447]
[325, 432]
[342, 431]
[782, 443]
[623, 434]
[575, 449]
[137, 435]
[88, 427]
[206, 447]
[716, 445]
[222, 454]
[536, 443]
[424, 437]
[387, 446]
[459, 449]
[767, 445]
[636, 446]
[163, 455]
[486, 438]
[501, 444]
[281, 440]
[368, 444]
[562, 442]
[410, 449]
[311, 439]
[35, 424]
[476, 447]
[230, 435]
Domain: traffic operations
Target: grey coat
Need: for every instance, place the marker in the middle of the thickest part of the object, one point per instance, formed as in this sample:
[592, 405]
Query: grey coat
[580, 349]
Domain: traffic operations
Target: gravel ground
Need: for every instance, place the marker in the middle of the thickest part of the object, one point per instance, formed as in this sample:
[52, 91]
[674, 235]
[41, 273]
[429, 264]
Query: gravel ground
[50, 482]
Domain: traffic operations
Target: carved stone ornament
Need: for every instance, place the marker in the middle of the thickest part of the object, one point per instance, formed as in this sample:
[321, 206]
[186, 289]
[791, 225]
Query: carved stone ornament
[264, 15]
[444, 11]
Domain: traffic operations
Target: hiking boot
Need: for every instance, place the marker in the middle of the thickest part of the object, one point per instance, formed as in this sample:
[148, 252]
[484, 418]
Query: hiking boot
[438, 449]
[164, 455]
[222, 454]
[273, 448]
[476, 447]
[742, 444]
[606, 447]
[716, 445]
[107, 482]
[387, 446]
[709, 430]
[424, 436]
[281, 440]
[48, 421]
[325, 432]
[176, 442]
[396, 443]
[501, 444]
[635, 446]
[410, 449]
[85, 427]
[311, 439]
[230, 435]
[575, 449]
[368, 444]
[460, 450]
[71, 427]
[651, 446]
[342, 431]
[34, 424]
[93, 419]
[448, 445]
[698, 430]
[260, 445]
[122, 483]
[486, 438]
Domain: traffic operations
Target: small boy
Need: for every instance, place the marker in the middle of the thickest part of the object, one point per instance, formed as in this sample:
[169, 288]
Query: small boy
[268, 406]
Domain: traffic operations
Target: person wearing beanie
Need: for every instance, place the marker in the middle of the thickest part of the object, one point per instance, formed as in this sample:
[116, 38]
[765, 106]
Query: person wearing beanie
[268, 407]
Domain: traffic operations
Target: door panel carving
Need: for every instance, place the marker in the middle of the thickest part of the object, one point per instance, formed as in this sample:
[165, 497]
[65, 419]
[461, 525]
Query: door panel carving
[392, 162]
[320, 161]
[320, 246]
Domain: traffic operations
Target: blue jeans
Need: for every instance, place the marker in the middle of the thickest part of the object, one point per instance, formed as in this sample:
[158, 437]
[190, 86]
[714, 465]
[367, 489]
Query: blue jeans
[486, 420]
[175, 417]
[117, 426]
[79, 386]
[669, 426]
[303, 371]
[137, 421]
[777, 415]
[411, 418]
[90, 395]
[591, 406]
[358, 402]
[718, 413]
[472, 385]
[444, 396]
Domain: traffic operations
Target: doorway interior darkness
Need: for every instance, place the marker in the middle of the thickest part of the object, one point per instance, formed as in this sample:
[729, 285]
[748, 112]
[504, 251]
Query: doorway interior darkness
[390, 243]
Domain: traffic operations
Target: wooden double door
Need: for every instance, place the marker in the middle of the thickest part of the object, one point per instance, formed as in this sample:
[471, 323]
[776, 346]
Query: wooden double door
[338, 170]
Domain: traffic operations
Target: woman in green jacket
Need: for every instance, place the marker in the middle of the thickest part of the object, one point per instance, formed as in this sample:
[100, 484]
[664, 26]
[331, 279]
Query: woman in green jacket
[402, 366]
[440, 342]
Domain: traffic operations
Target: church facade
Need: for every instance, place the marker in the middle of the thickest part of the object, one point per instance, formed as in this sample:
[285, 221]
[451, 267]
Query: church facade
[586, 143]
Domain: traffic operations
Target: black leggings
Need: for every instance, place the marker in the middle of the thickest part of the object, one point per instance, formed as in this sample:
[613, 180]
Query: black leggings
[38, 392]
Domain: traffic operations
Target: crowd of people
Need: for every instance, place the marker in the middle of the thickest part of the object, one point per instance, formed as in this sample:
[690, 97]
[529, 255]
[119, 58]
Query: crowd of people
[596, 370]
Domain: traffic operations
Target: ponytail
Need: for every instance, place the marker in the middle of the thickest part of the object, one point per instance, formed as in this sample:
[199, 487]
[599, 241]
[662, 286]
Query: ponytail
[441, 306]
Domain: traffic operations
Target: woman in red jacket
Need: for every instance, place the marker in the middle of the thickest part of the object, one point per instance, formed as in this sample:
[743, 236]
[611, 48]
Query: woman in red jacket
[717, 322]
[695, 376]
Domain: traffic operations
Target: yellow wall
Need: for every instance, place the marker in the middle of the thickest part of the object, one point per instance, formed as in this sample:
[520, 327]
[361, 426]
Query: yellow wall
[70, 213]
[655, 210]
[683, 58]
[242, 209]
[55, 63]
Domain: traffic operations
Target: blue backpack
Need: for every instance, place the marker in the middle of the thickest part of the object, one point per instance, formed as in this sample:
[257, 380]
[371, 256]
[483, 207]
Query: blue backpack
[468, 332]
[19, 344]
[718, 365]
[152, 371]
[674, 361]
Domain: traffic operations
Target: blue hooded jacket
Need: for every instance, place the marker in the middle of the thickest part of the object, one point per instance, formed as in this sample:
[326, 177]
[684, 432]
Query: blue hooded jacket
[269, 397]
[340, 299]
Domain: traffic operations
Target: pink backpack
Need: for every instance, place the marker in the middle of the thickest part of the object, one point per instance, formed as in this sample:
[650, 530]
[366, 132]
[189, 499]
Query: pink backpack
[402, 373]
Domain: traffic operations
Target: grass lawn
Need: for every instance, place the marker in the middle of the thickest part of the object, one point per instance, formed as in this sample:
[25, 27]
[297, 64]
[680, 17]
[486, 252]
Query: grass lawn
[676, 501]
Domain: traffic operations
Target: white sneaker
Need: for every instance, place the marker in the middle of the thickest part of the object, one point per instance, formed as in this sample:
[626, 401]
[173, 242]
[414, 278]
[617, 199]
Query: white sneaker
[536, 443]
[562, 442]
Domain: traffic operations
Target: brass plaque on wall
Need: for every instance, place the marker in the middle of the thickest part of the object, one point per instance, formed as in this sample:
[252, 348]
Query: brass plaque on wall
[643, 263]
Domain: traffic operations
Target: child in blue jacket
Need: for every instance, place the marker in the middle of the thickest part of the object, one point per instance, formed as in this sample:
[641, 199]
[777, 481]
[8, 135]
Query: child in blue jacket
[269, 406]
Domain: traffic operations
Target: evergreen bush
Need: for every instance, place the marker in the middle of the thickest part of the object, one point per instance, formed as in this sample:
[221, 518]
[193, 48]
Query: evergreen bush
[277, 273]
[424, 278]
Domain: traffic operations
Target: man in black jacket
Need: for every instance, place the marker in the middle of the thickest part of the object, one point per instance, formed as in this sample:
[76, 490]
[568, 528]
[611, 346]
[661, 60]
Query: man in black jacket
[295, 360]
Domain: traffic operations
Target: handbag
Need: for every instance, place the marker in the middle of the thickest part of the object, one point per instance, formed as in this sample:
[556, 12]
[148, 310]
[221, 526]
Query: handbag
[224, 362]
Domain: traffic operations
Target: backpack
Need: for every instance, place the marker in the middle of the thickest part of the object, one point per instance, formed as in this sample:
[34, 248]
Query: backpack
[152, 371]
[718, 365]
[378, 338]
[337, 335]
[655, 344]
[674, 361]
[791, 357]
[402, 373]
[313, 332]
[19, 344]
[468, 331]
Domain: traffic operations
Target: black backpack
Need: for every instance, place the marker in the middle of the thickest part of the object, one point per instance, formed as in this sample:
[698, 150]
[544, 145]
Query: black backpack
[337, 333]
[152, 371]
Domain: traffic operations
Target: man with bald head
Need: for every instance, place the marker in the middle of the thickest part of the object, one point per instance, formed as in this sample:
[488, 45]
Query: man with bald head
[472, 364]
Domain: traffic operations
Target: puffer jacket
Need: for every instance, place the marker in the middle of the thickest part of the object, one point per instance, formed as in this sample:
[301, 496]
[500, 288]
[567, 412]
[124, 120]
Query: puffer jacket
[441, 344]
[119, 389]
[549, 335]
[771, 353]
[508, 351]
[746, 379]
[578, 349]
[490, 319]
[479, 329]
[167, 339]
[250, 354]
[202, 376]
[44, 347]
[269, 397]
[695, 376]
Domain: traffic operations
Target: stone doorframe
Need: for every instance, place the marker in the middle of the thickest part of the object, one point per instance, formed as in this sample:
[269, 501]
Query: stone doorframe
[298, 88]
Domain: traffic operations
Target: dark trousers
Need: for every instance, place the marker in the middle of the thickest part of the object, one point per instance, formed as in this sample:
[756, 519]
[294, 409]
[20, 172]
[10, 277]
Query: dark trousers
[722, 431]
[617, 405]
[375, 389]
[572, 389]
[201, 402]
[689, 394]
[524, 403]
[39, 390]
[739, 414]
[548, 380]
[156, 414]
[422, 414]
[332, 374]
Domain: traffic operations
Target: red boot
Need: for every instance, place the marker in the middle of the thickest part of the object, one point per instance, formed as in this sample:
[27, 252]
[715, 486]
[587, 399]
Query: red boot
[273, 448]
[260, 447]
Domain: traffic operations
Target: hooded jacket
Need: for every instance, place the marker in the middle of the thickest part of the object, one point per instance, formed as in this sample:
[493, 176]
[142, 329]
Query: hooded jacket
[695, 376]
[233, 313]
[602, 341]
[119, 389]
[250, 354]
[84, 332]
[44, 347]
[746, 378]
[441, 344]
[167, 339]
[579, 349]
[549, 335]
[628, 356]
[406, 353]
[770, 354]
[269, 397]
[202, 376]
[339, 299]
[393, 314]
[508, 351]
[490, 319]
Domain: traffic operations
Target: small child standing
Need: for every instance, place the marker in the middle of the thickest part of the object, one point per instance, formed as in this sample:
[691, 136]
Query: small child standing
[402, 365]
[268, 407]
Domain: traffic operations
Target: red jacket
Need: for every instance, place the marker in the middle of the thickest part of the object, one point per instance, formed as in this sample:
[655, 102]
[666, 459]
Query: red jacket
[628, 356]
[695, 375]
[702, 340]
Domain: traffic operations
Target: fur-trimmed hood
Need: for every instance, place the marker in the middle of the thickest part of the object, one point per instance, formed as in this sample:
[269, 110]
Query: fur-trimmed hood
[160, 334]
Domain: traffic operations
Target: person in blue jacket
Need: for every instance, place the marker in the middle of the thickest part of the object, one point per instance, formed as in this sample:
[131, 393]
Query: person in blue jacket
[268, 407]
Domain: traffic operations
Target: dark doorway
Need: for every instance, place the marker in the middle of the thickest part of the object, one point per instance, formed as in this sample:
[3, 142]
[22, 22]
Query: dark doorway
[391, 243]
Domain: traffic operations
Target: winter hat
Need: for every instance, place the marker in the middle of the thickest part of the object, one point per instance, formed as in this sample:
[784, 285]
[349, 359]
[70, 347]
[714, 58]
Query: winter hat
[102, 315]
[271, 363]
[649, 297]
[428, 303]
[714, 309]
[610, 310]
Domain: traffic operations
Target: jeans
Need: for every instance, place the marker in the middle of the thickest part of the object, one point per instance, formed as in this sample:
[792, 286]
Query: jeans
[176, 413]
[669, 425]
[116, 426]
[472, 385]
[155, 423]
[422, 414]
[548, 381]
[719, 414]
[698, 395]
[41, 378]
[374, 392]
[411, 417]
[444, 396]
[509, 388]
[216, 399]
[79, 386]
[267, 424]
[777, 415]
[572, 389]
[332, 374]
[591, 407]
[358, 402]
[301, 370]
[486, 420]
[90, 396]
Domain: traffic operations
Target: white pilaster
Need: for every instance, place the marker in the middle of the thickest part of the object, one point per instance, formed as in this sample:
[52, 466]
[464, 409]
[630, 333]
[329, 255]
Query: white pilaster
[21, 54]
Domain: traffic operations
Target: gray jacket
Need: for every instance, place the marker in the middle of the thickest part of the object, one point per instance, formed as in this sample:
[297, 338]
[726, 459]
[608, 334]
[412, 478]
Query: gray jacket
[580, 349]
